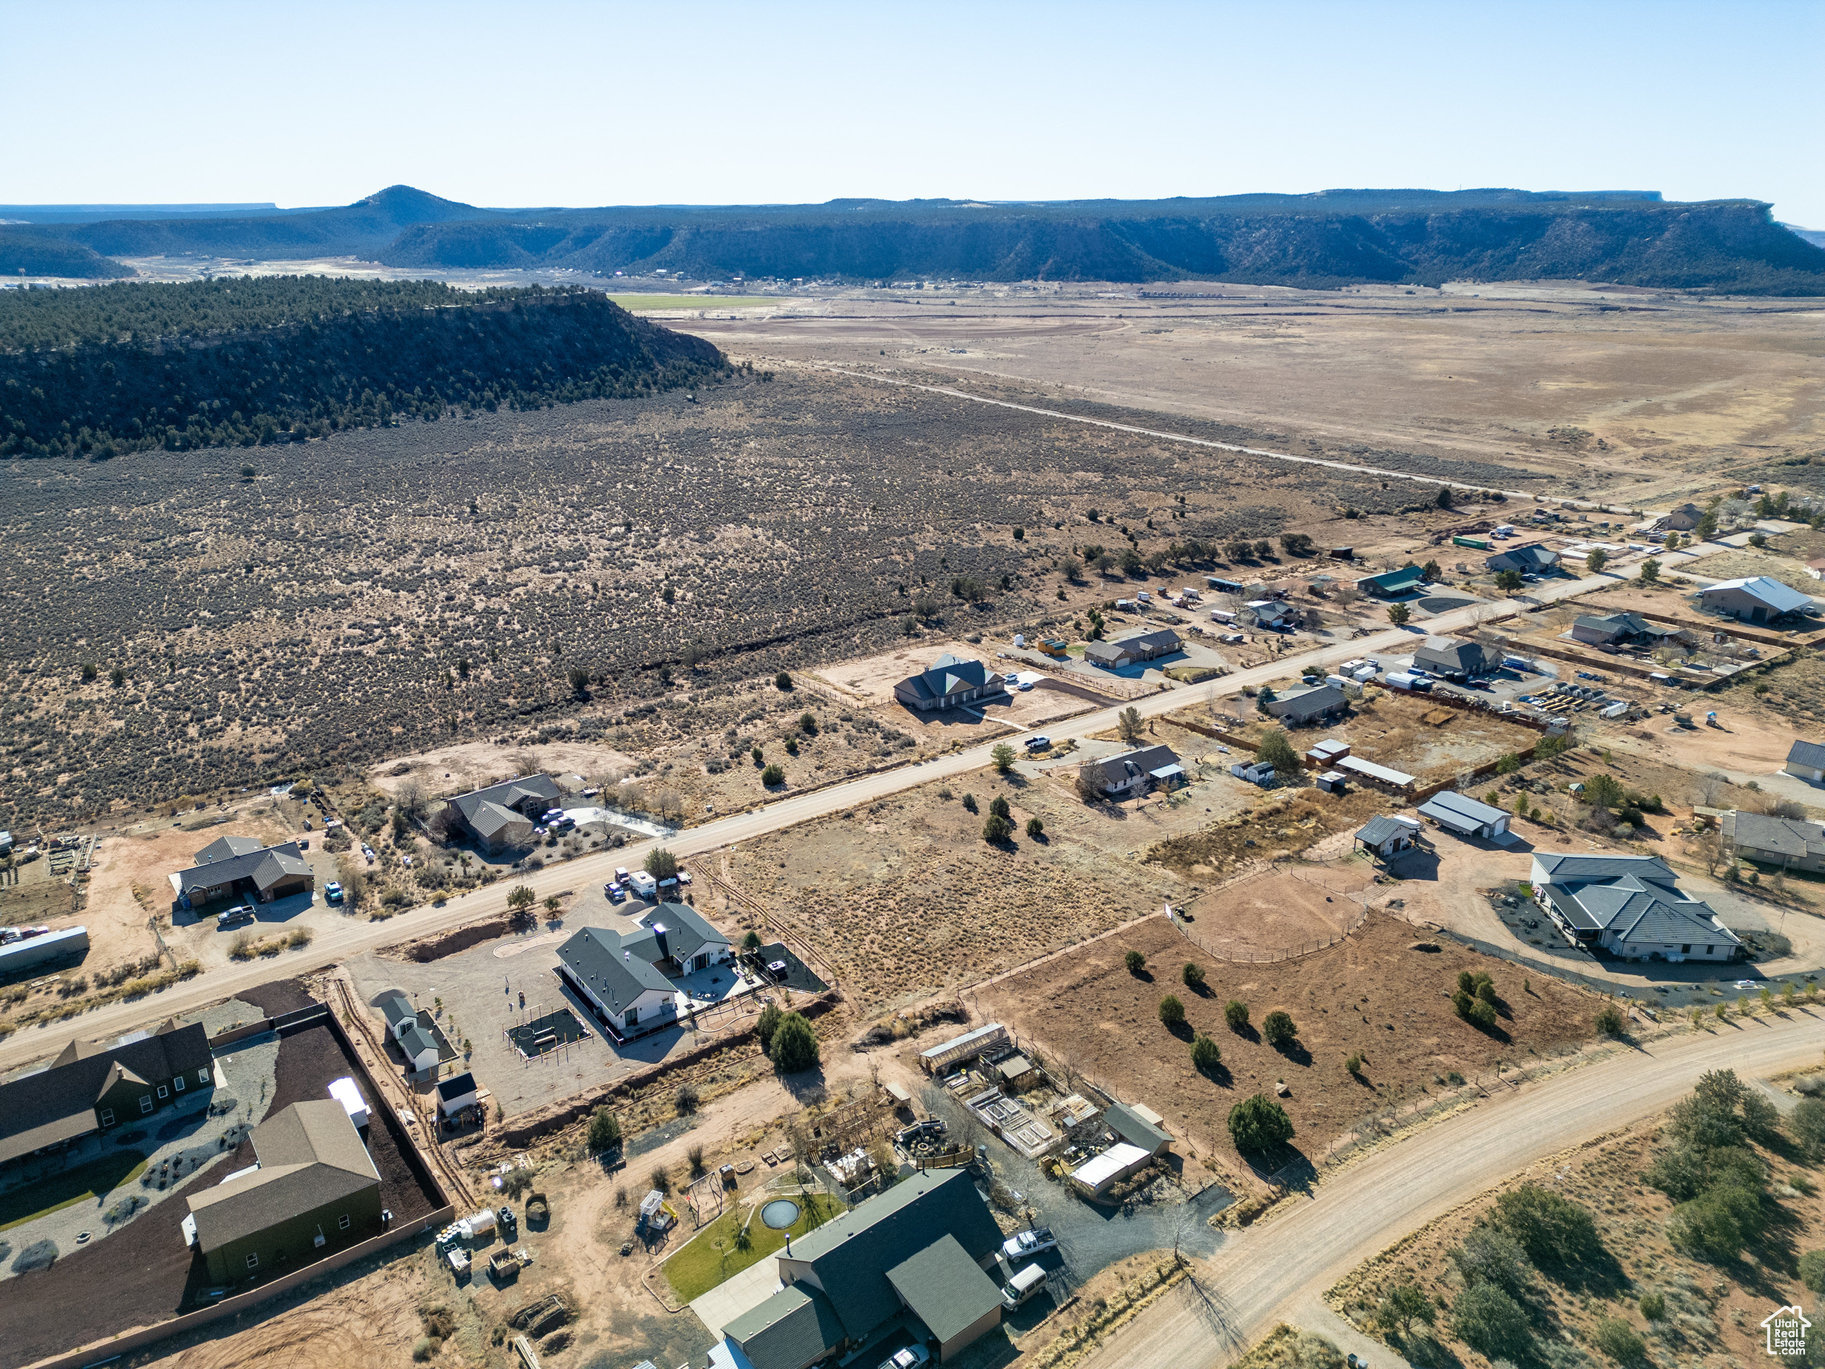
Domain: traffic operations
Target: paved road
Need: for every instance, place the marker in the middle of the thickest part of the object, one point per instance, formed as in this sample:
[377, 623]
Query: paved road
[1267, 1274]
[356, 936]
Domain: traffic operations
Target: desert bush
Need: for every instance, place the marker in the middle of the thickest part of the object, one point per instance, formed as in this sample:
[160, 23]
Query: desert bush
[604, 1131]
[766, 1024]
[1490, 1255]
[1206, 1055]
[686, 1099]
[1172, 1012]
[1235, 1014]
[1135, 961]
[1491, 1322]
[794, 1047]
[1278, 1029]
[1549, 1227]
[1610, 1020]
[1193, 975]
[1259, 1123]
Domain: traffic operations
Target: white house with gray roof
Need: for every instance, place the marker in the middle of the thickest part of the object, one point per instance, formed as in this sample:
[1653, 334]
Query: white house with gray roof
[1136, 772]
[629, 981]
[1629, 906]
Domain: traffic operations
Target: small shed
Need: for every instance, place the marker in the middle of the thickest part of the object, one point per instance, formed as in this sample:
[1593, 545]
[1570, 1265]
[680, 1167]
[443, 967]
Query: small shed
[962, 1049]
[456, 1093]
[1386, 836]
[1131, 1126]
[1333, 781]
[1097, 1175]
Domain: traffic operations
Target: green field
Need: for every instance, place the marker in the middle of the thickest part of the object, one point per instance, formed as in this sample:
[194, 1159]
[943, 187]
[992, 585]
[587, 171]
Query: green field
[72, 1186]
[701, 1265]
[648, 303]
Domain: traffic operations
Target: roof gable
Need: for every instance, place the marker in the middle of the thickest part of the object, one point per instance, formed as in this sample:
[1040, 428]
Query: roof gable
[62, 1098]
[606, 964]
[310, 1155]
[1809, 754]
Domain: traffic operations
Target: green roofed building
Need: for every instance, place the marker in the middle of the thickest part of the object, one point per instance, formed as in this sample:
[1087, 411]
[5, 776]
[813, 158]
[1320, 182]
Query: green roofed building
[917, 1249]
[1392, 584]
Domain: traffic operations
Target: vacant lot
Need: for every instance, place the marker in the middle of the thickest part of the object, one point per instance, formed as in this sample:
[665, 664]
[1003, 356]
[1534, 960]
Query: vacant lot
[1373, 995]
[392, 591]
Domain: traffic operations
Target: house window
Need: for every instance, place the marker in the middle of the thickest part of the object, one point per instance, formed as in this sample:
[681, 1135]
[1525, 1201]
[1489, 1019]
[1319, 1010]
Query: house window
[631, 1016]
[107, 1117]
[253, 1261]
[344, 1222]
[178, 1083]
[145, 1103]
[202, 1076]
[1685, 950]
[164, 1091]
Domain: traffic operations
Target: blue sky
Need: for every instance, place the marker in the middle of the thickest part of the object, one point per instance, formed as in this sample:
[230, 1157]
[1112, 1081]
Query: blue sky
[590, 104]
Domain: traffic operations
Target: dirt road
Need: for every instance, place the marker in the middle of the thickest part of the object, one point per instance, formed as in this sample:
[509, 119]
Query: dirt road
[1264, 1275]
[356, 936]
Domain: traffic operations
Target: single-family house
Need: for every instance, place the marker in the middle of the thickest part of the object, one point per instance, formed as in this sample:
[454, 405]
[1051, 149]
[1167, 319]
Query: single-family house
[1133, 649]
[1625, 629]
[500, 817]
[242, 867]
[1270, 615]
[1136, 772]
[1629, 906]
[1753, 599]
[1682, 519]
[1311, 704]
[1806, 761]
[1791, 843]
[1386, 836]
[627, 981]
[1465, 816]
[1393, 584]
[1529, 559]
[1138, 1126]
[1455, 658]
[313, 1190]
[917, 1251]
[952, 682]
[89, 1088]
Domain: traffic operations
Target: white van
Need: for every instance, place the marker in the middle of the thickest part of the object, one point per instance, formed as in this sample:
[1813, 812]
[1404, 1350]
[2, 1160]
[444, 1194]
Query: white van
[1022, 1286]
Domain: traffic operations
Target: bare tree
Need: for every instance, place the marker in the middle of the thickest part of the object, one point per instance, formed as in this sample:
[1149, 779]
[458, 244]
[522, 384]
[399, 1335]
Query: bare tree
[410, 798]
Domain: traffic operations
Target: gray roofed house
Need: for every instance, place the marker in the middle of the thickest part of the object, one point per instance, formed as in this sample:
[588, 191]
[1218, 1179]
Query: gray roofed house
[678, 939]
[234, 867]
[1531, 559]
[623, 990]
[1136, 1130]
[793, 1329]
[1136, 647]
[1314, 703]
[1136, 772]
[91, 1087]
[1629, 906]
[1384, 835]
[1617, 629]
[947, 1290]
[315, 1189]
[1787, 842]
[1682, 519]
[499, 817]
[418, 1045]
[1465, 816]
[1453, 656]
[1806, 761]
[1753, 599]
[951, 682]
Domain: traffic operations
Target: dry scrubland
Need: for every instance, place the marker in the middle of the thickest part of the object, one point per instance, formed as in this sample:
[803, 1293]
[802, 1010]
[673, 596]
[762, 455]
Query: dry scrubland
[386, 592]
[1374, 995]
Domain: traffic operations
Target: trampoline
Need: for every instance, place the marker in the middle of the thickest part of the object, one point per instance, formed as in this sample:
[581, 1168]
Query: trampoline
[780, 1214]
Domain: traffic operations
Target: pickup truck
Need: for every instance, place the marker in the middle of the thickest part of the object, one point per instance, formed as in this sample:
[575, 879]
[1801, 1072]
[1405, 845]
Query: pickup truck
[234, 917]
[1023, 1245]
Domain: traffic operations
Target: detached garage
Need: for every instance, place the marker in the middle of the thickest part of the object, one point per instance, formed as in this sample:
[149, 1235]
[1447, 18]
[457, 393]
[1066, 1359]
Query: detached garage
[1465, 816]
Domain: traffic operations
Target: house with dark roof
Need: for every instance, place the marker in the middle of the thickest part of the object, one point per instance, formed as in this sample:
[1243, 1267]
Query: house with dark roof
[1628, 906]
[314, 1190]
[90, 1088]
[1271, 615]
[1625, 629]
[952, 682]
[457, 1092]
[628, 980]
[1682, 519]
[500, 817]
[918, 1250]
[1754, 599]
[1790, 843]
[1134, 648]
[1529, 559]
[1394, 584]
[240, 867]
[1456, 659]
[1129, 1125]
[1136, 772]
[1806, 761]
[1312, 704]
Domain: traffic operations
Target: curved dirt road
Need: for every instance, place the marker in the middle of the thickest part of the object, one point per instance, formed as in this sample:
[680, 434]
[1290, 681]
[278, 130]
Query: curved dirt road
[1263, 1275]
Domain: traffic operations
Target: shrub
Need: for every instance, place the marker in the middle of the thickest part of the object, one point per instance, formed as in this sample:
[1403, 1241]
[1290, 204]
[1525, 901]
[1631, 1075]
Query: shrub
[1135, 961]
[695, 1156]
[1716, 1225]
[997, 829]
[766, 1025]
[686, 1099]
[1277, 750]
[1620, 1341]
[1003, 756]
[1490, 1322]
[794, 1047]
[1277, 1029]
[425, 1347]
[1490, 1255]
[969, 804]
[783, 682]
[751, 941]
[1808, 1125]
[1812, 1270]
[1551, 1228]
[998, 807]
[661, 1179]
[1035, 829]
[1206, 1054]
[604, 1131]
[1172, 1012]
[1259, 1123]
[1401, 1306]
[1654, 1305]
[1353, 1063]
[1609, 1020]
[1193, 975]
[773, 776]
[1235, 1014]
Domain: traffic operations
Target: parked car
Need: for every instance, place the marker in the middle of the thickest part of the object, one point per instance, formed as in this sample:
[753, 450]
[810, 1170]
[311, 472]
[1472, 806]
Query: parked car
[230, 917]
[621, 875]
[332, 892]
[616, 894]
[909, 1358]
[1038, 743]
[1023, 1245]
[1023, 1286]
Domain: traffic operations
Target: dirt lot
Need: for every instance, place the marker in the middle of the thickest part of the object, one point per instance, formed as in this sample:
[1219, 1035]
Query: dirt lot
[1713, 1313]
[1371, 995]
